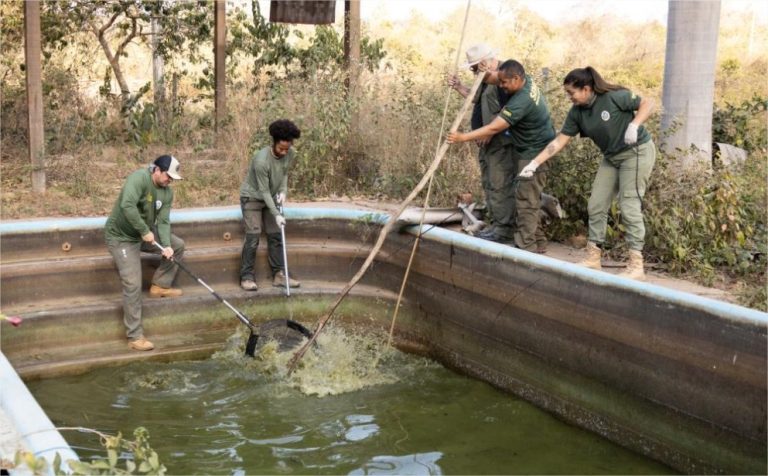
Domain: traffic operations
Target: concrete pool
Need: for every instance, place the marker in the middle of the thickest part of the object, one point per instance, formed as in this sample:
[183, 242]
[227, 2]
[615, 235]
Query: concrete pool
[672, 376]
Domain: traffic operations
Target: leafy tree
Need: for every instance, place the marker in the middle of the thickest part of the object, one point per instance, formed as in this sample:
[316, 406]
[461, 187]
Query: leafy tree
[116, 24]
[269, 44]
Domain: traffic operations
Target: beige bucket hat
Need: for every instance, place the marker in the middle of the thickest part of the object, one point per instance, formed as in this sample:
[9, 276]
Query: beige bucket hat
[478, 53]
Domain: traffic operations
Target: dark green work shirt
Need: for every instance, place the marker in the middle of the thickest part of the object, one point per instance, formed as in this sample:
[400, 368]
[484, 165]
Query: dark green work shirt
[489, 100]
[530, 126]
[605, 121]
[141, 207]
[267, 176]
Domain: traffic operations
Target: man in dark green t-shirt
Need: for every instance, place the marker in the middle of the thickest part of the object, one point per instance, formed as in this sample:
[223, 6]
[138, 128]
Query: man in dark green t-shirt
[139, 219]
[526, 119]
[262, 191]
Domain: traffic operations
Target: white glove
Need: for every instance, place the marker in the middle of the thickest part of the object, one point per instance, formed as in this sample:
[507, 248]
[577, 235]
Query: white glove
[630, 137]
[529, 169]
[280, 220]
[280, 198]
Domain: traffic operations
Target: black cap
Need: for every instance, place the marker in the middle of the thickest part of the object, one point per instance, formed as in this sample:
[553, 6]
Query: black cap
[169, 164]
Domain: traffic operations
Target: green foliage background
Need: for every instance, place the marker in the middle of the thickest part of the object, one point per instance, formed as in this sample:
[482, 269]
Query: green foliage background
[376, 141]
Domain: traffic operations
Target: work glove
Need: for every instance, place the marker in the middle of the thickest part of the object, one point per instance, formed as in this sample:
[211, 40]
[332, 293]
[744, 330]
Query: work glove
[280, 220]
[529, 170]
[280, 198]
[630, 137]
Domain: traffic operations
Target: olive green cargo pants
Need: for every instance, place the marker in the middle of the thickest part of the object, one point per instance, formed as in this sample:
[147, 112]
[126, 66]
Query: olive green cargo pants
[255, 216]
[529, 234]
[623, 176]
[497, 174]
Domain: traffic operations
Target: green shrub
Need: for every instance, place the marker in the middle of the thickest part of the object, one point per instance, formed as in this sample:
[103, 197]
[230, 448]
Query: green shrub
[705, 223]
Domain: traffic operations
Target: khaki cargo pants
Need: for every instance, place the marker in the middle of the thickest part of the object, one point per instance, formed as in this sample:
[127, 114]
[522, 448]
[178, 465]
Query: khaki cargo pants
[127, 256]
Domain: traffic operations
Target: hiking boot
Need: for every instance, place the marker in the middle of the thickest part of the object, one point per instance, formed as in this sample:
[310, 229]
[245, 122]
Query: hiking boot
[594, 254]
[279, 281]
[157, 291]
[141, 344]
[249, 285]
[486, 232]
[634, 267]
[497, 238]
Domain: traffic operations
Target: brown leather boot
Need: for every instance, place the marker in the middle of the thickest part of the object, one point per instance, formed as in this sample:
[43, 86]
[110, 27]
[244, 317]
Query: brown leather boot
[249, 285]
[141, 344]
[156, 291]
[279, 281]
[594, 254]
[635, 268]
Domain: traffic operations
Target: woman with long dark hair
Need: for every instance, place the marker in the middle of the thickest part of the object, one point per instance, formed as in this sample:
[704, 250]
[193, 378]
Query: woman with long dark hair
[612, 116]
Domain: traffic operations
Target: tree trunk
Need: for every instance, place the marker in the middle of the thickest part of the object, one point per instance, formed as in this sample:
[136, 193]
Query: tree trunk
[689, 79]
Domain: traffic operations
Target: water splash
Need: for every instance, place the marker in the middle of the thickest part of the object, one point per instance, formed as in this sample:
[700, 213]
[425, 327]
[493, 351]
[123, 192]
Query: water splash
[342, 361]
[161, 380]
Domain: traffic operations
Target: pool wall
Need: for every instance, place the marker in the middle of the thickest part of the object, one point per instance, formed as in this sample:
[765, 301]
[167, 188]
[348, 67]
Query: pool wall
[677, 377]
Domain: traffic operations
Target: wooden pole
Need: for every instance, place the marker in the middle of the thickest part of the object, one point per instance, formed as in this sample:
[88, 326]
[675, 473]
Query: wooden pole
[32, 53]
[352, 43]
[219, 53]
[158, 71]
[389, 225]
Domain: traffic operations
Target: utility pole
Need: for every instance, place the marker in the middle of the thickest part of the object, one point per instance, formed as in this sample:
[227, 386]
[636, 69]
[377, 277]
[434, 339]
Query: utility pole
[32, 53]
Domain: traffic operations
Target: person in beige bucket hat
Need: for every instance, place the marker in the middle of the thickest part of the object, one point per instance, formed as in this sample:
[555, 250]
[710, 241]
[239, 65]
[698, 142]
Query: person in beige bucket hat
[495, 151]
[478, 53]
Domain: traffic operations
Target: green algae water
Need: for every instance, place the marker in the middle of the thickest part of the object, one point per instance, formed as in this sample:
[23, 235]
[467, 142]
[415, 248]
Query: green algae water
[337, 414]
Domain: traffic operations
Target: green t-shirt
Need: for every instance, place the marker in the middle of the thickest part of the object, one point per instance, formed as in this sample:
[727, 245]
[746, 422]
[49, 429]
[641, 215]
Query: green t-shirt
[267, 176]
[605, 121]
[530, 126]
[140, 208]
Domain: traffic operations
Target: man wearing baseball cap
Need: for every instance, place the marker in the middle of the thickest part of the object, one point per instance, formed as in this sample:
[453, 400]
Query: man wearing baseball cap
[496, 173]
[139, 219]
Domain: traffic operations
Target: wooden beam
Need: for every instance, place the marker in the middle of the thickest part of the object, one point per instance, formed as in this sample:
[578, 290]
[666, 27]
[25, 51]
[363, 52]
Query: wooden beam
[158, 72]
[219, 53]
[32, 54]
[352, 42]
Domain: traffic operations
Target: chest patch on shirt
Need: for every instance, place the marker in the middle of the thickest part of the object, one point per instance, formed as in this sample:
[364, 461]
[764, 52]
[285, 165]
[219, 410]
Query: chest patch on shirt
[605, 115]
[158, 204]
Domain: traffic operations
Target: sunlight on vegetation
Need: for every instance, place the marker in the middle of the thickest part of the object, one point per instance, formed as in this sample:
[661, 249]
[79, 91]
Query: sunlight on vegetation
[123, 456]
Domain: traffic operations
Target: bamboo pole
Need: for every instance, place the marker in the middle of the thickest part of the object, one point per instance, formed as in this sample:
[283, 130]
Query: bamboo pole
[388, 226]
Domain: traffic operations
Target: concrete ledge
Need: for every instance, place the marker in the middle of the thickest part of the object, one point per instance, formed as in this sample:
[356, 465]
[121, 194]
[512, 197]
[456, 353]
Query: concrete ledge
[674, 376]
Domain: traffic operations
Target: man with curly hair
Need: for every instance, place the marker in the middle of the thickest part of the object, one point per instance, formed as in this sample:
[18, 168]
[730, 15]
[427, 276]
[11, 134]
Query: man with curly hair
[263, 189]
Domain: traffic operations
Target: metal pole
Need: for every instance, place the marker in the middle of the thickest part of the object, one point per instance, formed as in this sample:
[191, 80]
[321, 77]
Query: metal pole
[285, 257]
